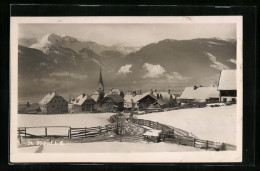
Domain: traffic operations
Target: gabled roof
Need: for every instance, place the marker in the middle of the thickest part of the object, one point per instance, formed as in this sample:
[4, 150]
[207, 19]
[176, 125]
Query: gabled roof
[129, 97]
[160, 102]
[151, 95]
[227, 80]
[48, 97]
[116, 98]
[81, 99]
[201, 93]
[165, 95]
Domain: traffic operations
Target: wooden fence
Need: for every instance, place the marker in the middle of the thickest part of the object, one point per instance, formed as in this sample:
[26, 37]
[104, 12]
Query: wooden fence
[90, 132]
[70, 132]
[178, 136]
[25, 132]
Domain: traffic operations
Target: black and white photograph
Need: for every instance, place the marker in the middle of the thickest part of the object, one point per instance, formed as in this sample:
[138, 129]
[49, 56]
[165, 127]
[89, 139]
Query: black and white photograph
[126, 89]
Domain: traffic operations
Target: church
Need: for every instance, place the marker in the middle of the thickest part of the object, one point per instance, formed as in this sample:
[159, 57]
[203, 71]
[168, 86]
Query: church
[100, 88]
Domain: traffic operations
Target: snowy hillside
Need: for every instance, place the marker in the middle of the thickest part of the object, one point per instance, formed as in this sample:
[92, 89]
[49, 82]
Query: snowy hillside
[215, 124]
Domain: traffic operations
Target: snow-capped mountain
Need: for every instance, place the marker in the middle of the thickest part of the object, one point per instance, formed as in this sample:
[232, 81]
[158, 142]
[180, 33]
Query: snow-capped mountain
[66, 63]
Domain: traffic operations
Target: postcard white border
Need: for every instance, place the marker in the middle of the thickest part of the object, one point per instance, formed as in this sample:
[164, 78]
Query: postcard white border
[158, 157]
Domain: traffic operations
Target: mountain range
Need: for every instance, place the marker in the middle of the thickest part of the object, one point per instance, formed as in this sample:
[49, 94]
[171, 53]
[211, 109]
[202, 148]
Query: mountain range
[69, 65]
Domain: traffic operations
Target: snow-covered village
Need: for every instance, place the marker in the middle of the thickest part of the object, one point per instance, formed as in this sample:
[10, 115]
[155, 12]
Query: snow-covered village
[164, 95]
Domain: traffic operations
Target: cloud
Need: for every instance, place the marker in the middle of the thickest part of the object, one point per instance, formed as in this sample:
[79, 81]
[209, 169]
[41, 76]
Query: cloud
[125, 69]
[154, 71]
[176, 76]
[232, 61]
[217, 65]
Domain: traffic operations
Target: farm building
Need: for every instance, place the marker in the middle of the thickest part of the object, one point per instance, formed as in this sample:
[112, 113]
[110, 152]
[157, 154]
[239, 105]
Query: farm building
[82, 103]
[111, 103]
[227, 86]
[53, 103]
[131, 100]
[147, 101]
[200, 94]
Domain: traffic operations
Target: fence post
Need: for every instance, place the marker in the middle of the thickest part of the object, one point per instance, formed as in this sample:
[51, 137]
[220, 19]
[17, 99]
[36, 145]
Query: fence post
[194, 142]
[99, 130]
[70, 133]
[25, 131]
[19, 133]
[85, 132]
[207, 145]
[46, 134]
[156, 125]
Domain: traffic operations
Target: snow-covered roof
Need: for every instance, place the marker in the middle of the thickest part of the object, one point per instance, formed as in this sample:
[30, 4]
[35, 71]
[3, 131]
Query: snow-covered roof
[153, 132]
[115, 97]
[227, 80]
[81, 99]
[114, 91]
[200, 93]
[129, 97]
[165, 95]
[46, 99]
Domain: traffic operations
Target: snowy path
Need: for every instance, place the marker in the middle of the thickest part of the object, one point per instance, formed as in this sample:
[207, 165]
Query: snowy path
[108, 147]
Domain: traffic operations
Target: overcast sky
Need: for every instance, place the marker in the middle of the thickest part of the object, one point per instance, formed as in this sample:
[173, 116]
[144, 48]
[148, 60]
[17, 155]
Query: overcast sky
[129, 34]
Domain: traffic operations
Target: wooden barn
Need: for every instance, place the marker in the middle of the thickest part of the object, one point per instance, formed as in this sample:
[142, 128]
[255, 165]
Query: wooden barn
[83, 103]
[227, 86]
[53, 103]
[112, 103]
[147, 101]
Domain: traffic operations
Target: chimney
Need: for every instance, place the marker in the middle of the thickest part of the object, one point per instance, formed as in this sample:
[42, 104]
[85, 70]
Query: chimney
[169, 91]
[50, 92]
[83, 95]
[28, 104]
[151, 91]
[134, 93]
[155, 90]
[140, 91]
[195, 87]
[73, 99]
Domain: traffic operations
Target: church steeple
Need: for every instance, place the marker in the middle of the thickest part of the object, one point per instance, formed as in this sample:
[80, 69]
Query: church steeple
[100, 82]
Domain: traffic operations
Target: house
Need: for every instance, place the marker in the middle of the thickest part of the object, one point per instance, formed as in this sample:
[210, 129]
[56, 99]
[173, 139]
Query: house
[165, 99]
[81, 104]
[227, 86]
[131, 100]
[112, 103]
[200, 94]
[147, 101]
[53, 103]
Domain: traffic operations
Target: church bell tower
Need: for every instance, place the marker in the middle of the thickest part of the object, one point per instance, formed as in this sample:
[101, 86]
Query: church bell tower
[100, 82]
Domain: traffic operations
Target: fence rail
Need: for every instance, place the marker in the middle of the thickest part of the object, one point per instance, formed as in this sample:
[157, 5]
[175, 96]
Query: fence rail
[176, 135]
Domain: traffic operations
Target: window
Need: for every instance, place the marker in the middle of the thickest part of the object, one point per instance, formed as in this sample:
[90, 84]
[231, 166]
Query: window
[224, 99]
[53, 106]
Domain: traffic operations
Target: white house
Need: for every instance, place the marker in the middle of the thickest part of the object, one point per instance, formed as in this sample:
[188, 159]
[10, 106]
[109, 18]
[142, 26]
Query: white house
[227, 86]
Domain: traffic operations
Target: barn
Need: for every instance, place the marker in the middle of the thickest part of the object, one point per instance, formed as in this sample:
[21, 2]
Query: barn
[82, 103]
[112, 103]
[227, 86]
[200, 94]
[147, 101]
[53, 103]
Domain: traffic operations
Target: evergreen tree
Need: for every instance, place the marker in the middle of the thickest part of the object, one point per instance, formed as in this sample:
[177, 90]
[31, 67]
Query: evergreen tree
[100, 97]
[122, 94]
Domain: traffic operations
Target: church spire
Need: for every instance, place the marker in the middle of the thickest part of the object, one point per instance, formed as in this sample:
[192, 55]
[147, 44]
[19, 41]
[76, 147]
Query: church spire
[100, 82]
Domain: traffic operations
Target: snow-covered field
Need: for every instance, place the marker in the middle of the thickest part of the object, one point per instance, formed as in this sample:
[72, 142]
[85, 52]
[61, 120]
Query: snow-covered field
[108, 147]
[72, 120]
[215, 124]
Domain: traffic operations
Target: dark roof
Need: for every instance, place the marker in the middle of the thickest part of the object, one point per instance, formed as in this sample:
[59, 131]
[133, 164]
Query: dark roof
[151, 95]
[116, 98]
[160, 102]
